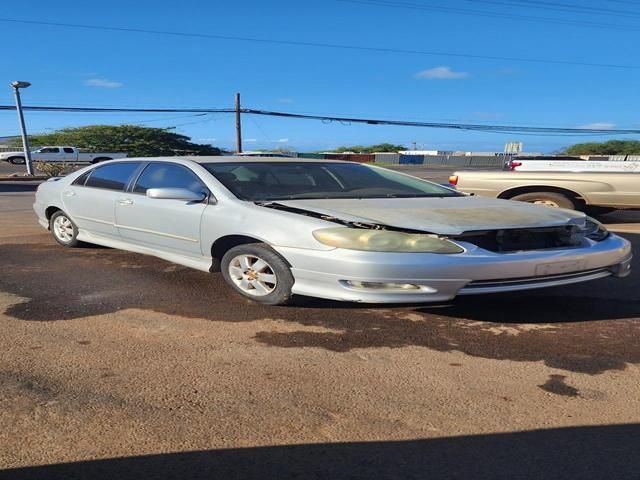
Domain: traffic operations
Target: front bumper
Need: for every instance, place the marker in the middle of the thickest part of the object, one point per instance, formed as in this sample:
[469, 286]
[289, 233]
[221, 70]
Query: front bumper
[330, 274]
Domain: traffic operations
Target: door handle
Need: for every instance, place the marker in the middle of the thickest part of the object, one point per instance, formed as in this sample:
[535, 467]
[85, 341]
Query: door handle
[69, 193]
[125, 201]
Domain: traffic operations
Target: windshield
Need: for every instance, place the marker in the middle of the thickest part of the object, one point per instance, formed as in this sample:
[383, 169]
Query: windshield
[268, 181]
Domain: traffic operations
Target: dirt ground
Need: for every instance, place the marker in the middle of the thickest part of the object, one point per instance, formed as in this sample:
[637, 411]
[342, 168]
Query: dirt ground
[120, 366]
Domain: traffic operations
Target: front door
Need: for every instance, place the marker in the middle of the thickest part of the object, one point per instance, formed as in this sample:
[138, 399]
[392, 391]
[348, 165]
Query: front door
[169, 225]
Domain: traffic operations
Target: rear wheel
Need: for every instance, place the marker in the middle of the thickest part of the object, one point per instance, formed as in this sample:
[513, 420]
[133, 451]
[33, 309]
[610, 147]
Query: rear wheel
[63, 230]
[547, 199]
[17, 160]
[259, 273]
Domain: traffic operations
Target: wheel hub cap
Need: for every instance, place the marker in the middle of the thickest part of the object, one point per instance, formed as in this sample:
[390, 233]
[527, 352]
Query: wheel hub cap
[63, 229]
[253, 275]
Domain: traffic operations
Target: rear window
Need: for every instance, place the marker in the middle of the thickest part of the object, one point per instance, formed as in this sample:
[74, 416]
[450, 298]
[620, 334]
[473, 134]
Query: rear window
[112, 177]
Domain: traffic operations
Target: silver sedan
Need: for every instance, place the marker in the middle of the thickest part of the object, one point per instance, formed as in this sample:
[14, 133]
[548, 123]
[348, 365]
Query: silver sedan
[278, 227]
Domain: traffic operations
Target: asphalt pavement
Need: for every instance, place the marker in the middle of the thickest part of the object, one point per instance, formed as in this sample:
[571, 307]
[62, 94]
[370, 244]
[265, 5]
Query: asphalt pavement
[118, 365]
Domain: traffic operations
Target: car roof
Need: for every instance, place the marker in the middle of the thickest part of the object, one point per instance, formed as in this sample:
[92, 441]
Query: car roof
[234, 159]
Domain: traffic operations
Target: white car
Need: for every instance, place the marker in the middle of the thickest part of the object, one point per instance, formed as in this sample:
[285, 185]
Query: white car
[61, 154]
[276, 227]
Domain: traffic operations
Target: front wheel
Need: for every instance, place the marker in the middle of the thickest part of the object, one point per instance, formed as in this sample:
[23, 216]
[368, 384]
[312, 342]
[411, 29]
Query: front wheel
[259, 273]
[63, 230]
[547, 199]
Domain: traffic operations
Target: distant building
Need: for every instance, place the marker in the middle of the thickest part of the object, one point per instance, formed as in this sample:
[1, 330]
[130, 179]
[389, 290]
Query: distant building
[513, 147]
[426, 152]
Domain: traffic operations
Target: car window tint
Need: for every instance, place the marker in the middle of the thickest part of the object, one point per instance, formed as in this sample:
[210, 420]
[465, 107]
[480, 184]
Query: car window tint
[68, 150]
[278, 180]
[112, 177]
[50, 150]
[167, 175]
[82, 178]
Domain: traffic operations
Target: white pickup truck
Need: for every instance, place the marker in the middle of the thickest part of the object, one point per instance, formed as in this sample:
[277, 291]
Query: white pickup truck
[60, 154]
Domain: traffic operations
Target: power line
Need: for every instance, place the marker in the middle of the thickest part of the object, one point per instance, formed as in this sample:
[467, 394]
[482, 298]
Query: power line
[43, 108]
[524, 130]
[297, 43]
[455, 126]
[484, 13]
[562, 7]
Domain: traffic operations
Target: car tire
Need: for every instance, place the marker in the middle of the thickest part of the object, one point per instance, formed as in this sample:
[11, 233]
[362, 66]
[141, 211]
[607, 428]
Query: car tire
[63, 230]
[17, 160]
[548, 199]
[259, 273]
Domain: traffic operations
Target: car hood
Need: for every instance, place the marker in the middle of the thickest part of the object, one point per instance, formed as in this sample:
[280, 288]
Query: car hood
[441, 215]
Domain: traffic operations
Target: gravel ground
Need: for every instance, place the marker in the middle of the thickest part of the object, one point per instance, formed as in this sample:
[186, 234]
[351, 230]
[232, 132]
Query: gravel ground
[116, 365]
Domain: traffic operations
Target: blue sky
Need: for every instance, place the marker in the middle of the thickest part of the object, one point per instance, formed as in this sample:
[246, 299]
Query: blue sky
[79, 67]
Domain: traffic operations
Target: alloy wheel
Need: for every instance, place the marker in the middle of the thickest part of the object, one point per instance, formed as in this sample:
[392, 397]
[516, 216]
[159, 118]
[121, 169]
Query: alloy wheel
[252, 275]
[63, 229]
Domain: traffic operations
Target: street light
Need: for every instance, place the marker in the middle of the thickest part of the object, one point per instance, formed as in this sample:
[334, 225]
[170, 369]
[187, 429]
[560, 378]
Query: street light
[17, 85]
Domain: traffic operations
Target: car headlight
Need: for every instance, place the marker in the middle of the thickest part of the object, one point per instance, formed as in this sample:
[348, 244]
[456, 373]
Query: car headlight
[594, 230]
[384, 241]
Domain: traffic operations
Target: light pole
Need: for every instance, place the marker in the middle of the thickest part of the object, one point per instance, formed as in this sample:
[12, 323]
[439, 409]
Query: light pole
[23, 130]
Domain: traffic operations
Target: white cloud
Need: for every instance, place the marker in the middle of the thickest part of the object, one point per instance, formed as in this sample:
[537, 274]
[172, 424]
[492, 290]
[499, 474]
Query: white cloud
[206, 139]
[285, 100]
[250, 140]
[441, 73]
[599, 125]
[282, 140]
[102, 83]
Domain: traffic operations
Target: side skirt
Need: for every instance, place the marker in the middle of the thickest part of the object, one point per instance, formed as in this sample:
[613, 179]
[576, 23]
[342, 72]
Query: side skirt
[199, 263]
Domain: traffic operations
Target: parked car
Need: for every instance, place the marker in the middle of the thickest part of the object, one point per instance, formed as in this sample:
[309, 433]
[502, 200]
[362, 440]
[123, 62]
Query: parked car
[277, 227]
[592, 191]
[258, 153]
[60, 154]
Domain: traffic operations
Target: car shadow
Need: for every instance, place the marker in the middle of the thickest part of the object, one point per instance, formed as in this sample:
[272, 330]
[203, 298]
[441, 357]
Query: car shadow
[592, 452]
[620, 217]
[589, 328]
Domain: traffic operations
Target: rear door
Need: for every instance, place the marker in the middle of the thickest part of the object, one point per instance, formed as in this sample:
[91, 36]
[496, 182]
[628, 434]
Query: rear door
[91, 199]
[168, 225]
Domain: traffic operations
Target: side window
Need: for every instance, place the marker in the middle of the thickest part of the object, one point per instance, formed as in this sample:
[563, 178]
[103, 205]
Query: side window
[68, 150]
[112, 177]
[82, 178]
[168, 175]
[50, 150]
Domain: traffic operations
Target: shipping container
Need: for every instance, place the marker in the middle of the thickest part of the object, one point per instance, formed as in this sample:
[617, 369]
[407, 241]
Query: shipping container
[387, 158]
[411, 159]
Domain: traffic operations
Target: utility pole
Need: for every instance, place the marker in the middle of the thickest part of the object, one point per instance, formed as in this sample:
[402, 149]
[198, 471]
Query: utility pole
[238, 126]
[17, 85]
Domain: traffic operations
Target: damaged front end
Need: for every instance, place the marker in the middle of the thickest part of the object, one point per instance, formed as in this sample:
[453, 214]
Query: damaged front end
[378, 237]
[523, 239]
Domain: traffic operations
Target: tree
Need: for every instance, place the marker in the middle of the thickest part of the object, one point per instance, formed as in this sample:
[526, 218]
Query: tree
[612, 147]
[378, 148]
[135, 140]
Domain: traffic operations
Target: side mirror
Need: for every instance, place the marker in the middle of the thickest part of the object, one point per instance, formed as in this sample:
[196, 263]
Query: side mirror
[175, 194]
